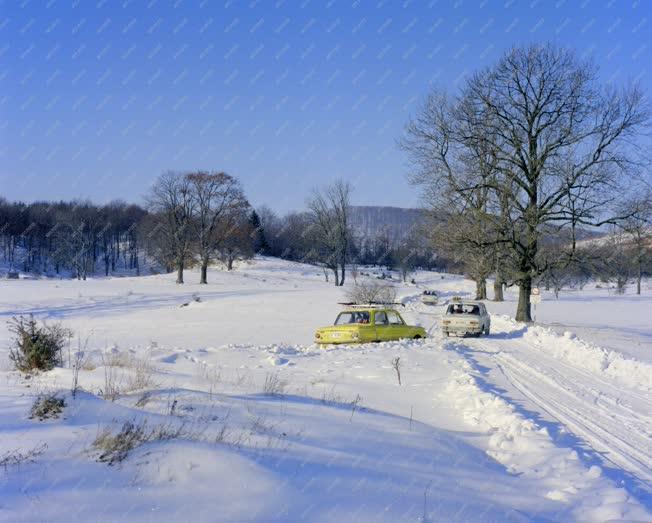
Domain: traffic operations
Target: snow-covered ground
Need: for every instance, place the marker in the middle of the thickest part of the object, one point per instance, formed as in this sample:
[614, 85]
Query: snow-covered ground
[530, 424]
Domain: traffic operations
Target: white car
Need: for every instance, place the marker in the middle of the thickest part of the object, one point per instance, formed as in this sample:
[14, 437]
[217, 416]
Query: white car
[466, 317]
[429, 298]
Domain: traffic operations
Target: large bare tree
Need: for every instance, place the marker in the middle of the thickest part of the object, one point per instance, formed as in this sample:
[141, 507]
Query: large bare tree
[562, 146]
[329, 211]
[171, 200]
[218, 204]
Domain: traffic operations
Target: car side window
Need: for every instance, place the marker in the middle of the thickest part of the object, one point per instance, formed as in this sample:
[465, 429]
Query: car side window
[394, 318]
[381, 318]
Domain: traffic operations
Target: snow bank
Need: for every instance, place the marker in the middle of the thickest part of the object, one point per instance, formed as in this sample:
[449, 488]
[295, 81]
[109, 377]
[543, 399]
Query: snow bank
[527, 449]
[571, 349]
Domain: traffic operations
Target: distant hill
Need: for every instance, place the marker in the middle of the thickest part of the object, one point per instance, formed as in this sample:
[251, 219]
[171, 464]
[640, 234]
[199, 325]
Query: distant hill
[370, 222]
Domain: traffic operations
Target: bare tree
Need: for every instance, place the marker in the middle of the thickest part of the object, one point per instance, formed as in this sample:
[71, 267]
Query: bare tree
[638, 225]
[372, 292]
[329, 220]
[616, 264]
[237, 242]
[562, 147]
[218, 202]
[171, 199]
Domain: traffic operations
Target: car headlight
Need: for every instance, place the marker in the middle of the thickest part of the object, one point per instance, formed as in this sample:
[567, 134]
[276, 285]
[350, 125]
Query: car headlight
[317, 335]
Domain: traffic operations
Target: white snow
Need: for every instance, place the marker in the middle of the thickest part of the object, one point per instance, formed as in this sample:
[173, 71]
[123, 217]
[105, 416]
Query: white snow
[528, 424]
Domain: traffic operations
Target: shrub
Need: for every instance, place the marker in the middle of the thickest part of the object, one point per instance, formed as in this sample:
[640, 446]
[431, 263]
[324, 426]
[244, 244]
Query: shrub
[36, 345]
[372, 292]
[47, 407]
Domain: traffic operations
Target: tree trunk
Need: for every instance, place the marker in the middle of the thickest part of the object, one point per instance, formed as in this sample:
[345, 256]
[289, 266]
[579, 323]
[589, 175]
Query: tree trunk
[342, 273]
[498, 289]
[204, 269]
[523, 312]
[229, 263]
[337, 277]
[481, 289]
[179, 271]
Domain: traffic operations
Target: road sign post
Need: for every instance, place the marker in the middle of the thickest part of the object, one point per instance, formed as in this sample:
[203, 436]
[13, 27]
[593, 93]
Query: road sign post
[535, 299]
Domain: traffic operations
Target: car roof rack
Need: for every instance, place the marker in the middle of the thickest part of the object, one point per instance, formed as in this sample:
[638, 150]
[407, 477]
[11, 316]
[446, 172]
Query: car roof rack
[368, 305]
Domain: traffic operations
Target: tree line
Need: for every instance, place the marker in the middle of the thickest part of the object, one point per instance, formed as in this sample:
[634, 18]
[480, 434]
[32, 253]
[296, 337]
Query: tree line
[190, 219]
[194, 219]
[77, 237]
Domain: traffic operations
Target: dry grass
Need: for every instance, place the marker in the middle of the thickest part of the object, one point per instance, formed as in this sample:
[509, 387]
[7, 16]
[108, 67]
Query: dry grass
[18, 456]
[124, 373]
[115, 447]
[274, 385]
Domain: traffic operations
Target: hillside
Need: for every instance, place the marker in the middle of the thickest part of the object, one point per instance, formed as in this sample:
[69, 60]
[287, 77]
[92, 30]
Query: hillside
[395, 223]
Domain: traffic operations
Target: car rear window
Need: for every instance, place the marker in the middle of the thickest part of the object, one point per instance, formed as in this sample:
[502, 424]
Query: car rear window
[463, 308]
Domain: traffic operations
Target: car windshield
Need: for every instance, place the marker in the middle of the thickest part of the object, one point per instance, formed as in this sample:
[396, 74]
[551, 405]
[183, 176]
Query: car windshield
[346, 318]
[463, 308]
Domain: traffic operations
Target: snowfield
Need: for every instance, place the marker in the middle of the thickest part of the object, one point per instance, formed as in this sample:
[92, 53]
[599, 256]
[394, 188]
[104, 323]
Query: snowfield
[245, 419]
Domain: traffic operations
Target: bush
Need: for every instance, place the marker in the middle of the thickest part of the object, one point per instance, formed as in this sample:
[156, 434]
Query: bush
[47, 407]
[36, 345]
[372, 292]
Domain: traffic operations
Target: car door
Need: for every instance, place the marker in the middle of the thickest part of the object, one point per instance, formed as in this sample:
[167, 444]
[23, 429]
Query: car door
[382, 325]
[397, 327]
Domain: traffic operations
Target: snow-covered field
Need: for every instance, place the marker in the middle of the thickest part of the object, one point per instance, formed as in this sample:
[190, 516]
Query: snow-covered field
[255, 423]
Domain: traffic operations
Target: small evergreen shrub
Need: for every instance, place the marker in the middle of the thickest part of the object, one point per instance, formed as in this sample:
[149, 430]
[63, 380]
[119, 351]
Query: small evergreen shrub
[36, 345]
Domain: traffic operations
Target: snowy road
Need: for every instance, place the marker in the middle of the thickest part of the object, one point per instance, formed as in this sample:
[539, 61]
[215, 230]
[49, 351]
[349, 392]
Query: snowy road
[607, 419]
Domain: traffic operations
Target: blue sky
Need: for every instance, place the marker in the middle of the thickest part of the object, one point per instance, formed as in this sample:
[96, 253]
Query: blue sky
[99, 97]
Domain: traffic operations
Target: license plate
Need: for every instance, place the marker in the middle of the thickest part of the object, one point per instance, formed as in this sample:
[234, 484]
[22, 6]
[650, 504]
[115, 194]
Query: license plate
[335, 334]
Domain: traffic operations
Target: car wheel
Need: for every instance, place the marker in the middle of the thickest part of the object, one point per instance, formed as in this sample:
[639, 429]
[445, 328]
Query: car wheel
[417, 337]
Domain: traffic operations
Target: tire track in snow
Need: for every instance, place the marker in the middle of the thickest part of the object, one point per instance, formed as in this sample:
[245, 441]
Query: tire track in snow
[622, 443]
[612, 420]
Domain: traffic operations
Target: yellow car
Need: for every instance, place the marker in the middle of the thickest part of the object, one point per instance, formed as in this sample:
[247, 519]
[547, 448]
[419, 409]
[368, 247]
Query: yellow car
[367, 324]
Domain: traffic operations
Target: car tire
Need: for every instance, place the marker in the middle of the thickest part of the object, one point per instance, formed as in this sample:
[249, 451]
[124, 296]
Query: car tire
[417, 337]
